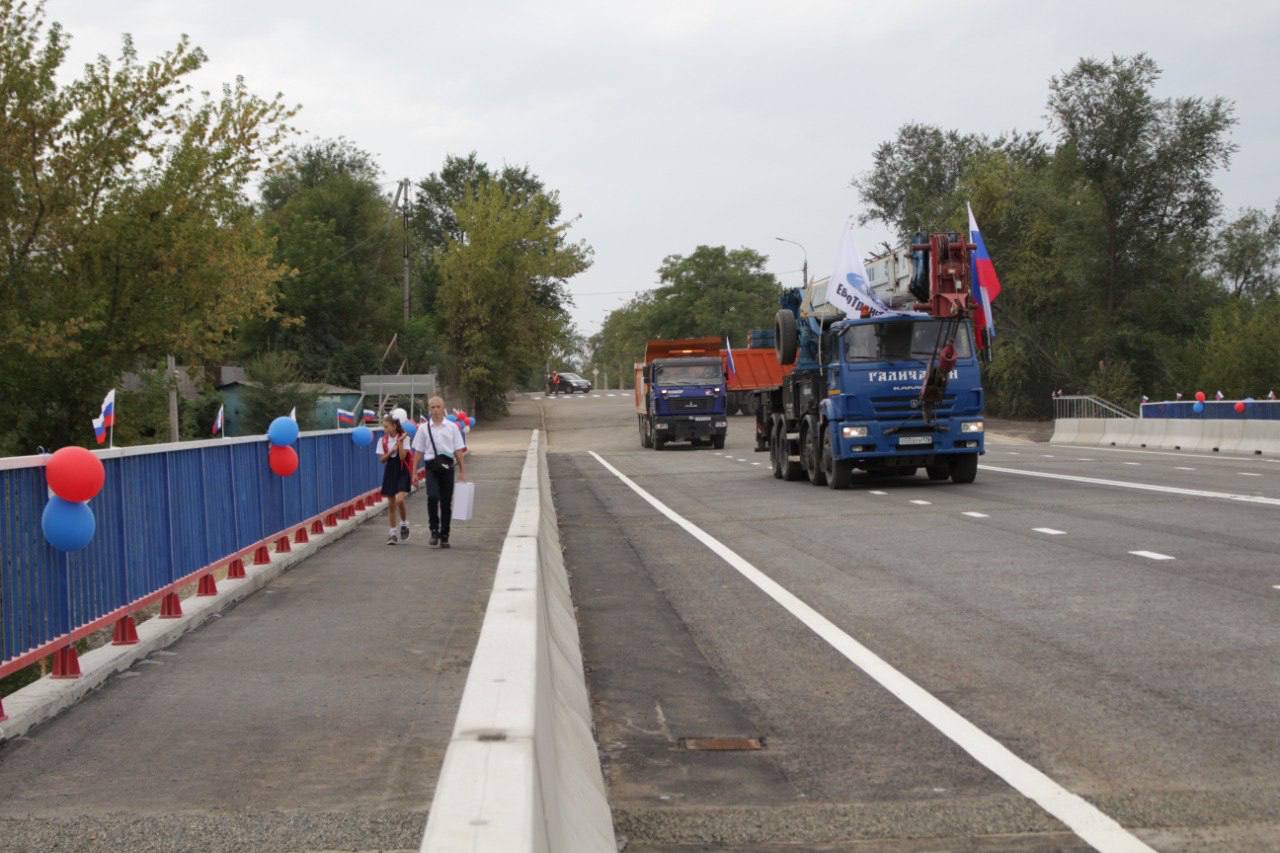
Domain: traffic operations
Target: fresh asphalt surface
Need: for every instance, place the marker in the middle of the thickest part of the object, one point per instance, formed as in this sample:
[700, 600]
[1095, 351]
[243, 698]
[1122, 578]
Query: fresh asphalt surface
[1147, 683]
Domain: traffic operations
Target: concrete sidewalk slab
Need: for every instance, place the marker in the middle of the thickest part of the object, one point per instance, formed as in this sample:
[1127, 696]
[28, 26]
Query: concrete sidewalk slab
[311, 716]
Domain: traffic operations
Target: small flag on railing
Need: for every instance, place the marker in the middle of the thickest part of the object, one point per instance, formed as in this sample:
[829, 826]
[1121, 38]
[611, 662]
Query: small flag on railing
[293, 414]
[217, 422]
[99, 430]
[106, 418]
[346, 418]
[1146, 399]
[1219, 395]
[370, 416]
[1271, 395]
[1178, 396]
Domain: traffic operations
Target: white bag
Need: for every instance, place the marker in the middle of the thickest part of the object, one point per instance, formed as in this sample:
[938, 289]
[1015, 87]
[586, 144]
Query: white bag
[464, 499]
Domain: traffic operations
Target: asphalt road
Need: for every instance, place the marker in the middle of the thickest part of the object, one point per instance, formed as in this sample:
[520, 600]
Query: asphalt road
[1110, 617]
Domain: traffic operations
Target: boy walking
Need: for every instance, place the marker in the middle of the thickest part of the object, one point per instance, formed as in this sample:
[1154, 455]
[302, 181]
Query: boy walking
[442, 447]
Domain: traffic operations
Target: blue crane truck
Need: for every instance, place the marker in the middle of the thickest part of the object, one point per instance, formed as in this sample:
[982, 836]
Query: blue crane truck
[681, 393]
[889, 393]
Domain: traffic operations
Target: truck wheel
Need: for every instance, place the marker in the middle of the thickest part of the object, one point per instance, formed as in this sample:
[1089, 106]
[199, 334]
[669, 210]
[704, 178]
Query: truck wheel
[839, 471]
[941, 471]
[964, 468]
[785, 337]
[811, 452]
[645, 439]
[717, 441]
[659, 441]
[776, 456]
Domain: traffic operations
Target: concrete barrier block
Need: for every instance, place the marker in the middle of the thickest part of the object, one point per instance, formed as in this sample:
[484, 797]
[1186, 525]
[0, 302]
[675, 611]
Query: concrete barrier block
[1065, 431]
[1090, 430]
[1260, 437]
[1119, 432]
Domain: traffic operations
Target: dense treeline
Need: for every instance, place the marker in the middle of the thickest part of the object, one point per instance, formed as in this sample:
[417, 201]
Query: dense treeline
[1120, 276]
[143, 220]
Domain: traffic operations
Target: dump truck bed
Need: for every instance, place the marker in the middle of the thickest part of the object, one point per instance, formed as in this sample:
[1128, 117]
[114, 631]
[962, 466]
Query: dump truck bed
[682, 347]
[757, 369]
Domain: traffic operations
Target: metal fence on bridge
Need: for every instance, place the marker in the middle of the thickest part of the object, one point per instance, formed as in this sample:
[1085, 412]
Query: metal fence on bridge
[165, 516]
[1085, 406]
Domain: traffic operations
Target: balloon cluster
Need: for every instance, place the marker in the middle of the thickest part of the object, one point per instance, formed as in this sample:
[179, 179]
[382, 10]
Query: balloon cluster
[75, 475]
[1198, 405]
[464, 421]
[282, 458]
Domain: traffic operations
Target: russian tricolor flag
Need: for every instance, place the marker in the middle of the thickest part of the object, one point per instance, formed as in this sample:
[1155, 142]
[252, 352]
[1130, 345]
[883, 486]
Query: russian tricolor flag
[370, 416]
[217, 422]
[986, 285]
[733, 368]
[106, 417]
[346, 418]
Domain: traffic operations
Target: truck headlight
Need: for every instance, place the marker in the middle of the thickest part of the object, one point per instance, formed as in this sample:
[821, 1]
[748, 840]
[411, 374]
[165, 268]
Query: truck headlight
[971, 426]
[854, 431]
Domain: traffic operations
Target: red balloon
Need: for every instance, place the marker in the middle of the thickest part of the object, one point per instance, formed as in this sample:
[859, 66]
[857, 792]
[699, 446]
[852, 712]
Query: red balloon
[1200, 396]
[283, 459]
[1239, 407]
[75, 474]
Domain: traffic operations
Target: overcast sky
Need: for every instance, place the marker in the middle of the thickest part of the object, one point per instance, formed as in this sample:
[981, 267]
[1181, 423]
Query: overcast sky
[665, 125]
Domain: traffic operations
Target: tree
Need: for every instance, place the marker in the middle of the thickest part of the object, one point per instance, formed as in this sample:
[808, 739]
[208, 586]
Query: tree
[341, 301]
[275, 387]
[127, 234]
[1246, 261]
[713, 291]
[494, 323]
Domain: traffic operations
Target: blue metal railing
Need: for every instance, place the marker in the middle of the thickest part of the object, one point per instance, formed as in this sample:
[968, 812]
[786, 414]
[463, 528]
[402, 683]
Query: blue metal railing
[164, 512]
[1255, 410]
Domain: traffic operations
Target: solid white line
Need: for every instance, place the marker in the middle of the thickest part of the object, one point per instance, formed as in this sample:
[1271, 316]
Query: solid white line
[977, 515]
[1216, 457]
[877, 492]
[1079, 815]
[921, 503]
[1151, 555]
[1049, 531]
[1150, 487]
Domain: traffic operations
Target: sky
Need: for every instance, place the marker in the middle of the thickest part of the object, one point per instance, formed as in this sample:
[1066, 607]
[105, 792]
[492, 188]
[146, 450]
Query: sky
[669, 124]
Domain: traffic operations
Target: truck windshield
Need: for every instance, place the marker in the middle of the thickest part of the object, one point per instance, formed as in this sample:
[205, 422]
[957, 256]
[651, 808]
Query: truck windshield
[901, 340]
[688, 374]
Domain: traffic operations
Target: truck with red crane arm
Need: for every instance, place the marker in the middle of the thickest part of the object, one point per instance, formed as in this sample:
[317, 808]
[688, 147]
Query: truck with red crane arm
[886, 393]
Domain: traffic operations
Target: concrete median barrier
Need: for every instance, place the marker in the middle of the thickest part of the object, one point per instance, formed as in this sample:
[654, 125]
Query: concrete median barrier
[522, 772]
[1246, 438]
[1065, 431]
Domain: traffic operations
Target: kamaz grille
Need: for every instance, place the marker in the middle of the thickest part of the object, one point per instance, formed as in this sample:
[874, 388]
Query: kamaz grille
[906, 407]
[680, 405]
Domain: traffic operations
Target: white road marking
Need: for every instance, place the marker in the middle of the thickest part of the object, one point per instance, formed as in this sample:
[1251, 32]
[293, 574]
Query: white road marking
[1084, 459]
[1095, 449]
[1133, 463]
[1080, 816]
[740, 460]
[1014, 453]
[1048, 456]
[977, 515]
[1149, 487]
[918, 502]
[1182, 468]
[1151, 555]
[877, 492]
[1277, 586]
[757, 463]
[1248, 474]
[1049, 531]
[613, 395]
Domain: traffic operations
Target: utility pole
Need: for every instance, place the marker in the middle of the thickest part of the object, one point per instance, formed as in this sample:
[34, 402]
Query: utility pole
[404, 188]
[172, 370]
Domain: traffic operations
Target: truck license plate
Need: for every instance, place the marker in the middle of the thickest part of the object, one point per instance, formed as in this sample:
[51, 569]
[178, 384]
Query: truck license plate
[915, 439]
[702, 418]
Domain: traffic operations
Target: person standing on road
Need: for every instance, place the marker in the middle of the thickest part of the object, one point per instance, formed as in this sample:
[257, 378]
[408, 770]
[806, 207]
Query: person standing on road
[442, 446]
[396, 456]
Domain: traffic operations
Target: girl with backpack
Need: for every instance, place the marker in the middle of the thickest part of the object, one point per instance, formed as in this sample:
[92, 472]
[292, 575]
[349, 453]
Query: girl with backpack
[396, 456]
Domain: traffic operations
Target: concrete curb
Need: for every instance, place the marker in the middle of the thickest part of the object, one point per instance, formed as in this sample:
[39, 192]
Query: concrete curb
[522, 771]
[46, 698]
[1256, 438]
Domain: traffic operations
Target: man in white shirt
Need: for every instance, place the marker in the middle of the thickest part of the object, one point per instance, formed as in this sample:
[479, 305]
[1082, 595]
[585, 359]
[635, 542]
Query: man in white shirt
[440, 444]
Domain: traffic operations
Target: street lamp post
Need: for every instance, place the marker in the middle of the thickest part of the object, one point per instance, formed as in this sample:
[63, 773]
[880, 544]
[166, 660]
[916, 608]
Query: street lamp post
[805, 271]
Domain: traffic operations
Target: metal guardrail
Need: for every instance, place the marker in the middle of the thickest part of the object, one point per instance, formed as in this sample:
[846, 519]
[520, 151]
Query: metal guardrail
[165, 512]
[1086, 406]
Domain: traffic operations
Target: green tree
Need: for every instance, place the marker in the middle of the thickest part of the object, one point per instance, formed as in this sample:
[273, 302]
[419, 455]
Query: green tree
[126, 231]
[495, 326]
[341, 301]
[276, 385]
[1246, 260]
[713, 291]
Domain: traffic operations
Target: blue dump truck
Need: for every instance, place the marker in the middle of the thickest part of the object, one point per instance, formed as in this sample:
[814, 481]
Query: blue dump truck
[888, 394]
[681, 393]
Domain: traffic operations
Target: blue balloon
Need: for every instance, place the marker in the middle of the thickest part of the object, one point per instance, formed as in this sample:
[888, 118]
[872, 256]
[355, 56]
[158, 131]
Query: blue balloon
[362, 436]
[68, 525]
[1198, 407]
[1248, 399]
[283, 431]
[409, 427]
[451, 416]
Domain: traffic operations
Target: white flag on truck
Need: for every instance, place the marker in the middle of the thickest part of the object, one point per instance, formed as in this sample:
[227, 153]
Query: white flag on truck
[848, 289]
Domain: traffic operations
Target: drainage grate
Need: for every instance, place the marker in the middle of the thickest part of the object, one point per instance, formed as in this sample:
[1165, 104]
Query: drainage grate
[724, 744]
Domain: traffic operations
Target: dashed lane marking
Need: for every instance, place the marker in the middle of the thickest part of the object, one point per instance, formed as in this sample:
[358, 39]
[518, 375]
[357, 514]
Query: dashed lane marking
[919, 502]
[1084, 459]
[1146, 487]
[1133, 463]
[1049, 531]
[1182, 468]
[1082, 817]
[1048, 456]
[877, 492]
[757, 463]
[977, 515]
[1248, 474]
[1151, 555]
